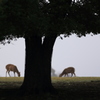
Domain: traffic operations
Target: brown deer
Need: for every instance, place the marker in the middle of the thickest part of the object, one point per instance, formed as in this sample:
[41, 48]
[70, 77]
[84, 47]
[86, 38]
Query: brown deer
[68, 70]
[11, 67]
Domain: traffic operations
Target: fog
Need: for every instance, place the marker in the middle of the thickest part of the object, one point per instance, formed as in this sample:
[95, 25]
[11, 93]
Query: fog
[81, 53]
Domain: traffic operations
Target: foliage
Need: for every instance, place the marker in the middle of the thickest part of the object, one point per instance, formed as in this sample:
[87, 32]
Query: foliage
[20, 18]
[17, 17]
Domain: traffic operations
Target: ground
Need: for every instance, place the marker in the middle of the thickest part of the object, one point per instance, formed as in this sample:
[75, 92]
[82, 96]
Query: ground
[75, 88]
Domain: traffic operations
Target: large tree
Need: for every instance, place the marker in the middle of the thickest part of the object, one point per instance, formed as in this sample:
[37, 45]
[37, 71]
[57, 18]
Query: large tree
[40, 22]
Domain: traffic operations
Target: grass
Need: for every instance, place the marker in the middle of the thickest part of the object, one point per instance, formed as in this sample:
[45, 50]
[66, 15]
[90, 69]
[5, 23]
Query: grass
[75, 79]
[54, 79]
[69, 88]
[11, 79]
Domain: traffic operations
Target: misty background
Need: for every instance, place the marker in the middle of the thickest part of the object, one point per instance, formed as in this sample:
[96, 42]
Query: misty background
[81, 53]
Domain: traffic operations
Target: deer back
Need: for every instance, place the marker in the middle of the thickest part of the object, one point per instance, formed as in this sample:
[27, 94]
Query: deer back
[69, 70]
[11, 67]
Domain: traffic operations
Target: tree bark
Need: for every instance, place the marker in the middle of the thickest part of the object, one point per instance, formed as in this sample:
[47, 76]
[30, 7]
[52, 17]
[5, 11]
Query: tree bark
[37, 78]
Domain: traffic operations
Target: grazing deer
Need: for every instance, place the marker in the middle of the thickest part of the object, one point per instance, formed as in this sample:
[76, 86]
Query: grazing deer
[11, 67]
[68, 70]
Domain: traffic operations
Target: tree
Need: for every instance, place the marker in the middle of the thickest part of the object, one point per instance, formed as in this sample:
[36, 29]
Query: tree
[53, 72]
[35, 19]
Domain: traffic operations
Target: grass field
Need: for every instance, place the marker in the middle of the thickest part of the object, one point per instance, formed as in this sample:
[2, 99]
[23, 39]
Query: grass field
[75, 79]
[69, 88]
[54, 79]
[11, 79]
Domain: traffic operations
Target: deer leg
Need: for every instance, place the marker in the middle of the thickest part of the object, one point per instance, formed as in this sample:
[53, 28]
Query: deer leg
[6, 73]
[67, 75]
[71, 74]
[74, 74]
[9, 73]
[14, 74]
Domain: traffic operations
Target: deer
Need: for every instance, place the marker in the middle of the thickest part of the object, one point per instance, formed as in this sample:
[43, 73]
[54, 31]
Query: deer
[68, 70]
[11, 67]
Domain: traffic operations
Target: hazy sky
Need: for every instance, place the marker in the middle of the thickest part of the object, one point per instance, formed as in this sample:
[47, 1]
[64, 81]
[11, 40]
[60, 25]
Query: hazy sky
[82, 53]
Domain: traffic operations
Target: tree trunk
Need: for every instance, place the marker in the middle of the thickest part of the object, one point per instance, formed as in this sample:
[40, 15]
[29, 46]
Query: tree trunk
[38, 65]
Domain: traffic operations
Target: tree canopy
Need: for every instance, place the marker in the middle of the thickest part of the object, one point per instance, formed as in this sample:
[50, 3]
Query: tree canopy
[22, 18]
[33, 19]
